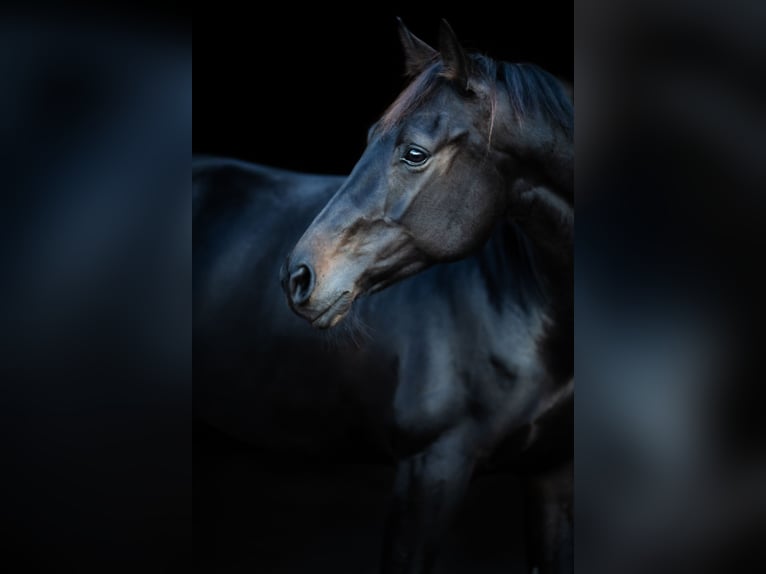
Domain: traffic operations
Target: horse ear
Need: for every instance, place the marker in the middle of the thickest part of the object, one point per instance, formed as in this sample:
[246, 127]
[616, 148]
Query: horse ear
[418, 55]
[453, 55]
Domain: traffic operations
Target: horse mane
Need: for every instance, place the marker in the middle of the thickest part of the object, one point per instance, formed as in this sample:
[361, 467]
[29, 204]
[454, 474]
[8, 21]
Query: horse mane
[530, 90]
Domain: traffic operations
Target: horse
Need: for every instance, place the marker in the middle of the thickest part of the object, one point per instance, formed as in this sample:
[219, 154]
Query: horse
[429, 313]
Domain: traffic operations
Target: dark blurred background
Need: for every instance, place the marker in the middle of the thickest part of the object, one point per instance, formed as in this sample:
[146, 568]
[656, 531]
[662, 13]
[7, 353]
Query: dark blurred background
[95, 275]
[670, 437]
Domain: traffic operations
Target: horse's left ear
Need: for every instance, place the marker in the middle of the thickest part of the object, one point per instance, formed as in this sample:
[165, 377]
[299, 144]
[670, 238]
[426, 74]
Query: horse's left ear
[418, 54]
[453, 55]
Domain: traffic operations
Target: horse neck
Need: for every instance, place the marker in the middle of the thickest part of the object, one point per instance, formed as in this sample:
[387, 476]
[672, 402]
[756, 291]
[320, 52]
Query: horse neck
[548, 228]
[539, 191]
[546, 218]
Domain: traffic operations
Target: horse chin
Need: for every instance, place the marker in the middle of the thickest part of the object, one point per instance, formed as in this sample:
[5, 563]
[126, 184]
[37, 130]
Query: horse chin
[333, 314]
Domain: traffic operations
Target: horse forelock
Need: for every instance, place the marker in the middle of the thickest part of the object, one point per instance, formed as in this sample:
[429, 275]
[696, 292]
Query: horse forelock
[530, 91]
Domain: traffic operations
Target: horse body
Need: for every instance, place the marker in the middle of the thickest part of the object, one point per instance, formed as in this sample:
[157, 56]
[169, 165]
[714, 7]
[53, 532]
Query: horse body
[446, 364]
[456, 342]
[460, 223]
[257, 366]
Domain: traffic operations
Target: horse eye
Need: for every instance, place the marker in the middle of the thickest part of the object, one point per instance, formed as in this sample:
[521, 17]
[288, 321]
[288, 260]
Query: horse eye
[415, 156]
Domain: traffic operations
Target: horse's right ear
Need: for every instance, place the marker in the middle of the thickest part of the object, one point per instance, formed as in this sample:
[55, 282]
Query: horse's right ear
[418, 55]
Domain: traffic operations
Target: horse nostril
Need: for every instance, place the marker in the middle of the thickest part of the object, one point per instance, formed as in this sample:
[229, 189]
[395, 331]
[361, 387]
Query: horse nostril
[301, 284]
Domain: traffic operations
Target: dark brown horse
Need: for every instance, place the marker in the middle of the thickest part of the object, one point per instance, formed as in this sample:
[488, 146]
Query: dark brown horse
[459, 214]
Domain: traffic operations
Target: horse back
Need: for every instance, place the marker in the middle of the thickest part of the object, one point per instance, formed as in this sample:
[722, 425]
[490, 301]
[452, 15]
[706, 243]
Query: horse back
[261, 373]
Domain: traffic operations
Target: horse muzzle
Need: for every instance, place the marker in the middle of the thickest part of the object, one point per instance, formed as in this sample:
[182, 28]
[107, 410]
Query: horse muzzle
[322, 310]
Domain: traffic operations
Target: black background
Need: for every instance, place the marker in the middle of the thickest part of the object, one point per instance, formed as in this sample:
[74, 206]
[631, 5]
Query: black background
[300, 92]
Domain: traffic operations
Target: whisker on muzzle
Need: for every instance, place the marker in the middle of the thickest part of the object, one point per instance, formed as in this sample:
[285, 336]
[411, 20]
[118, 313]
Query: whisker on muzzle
[352, 329]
